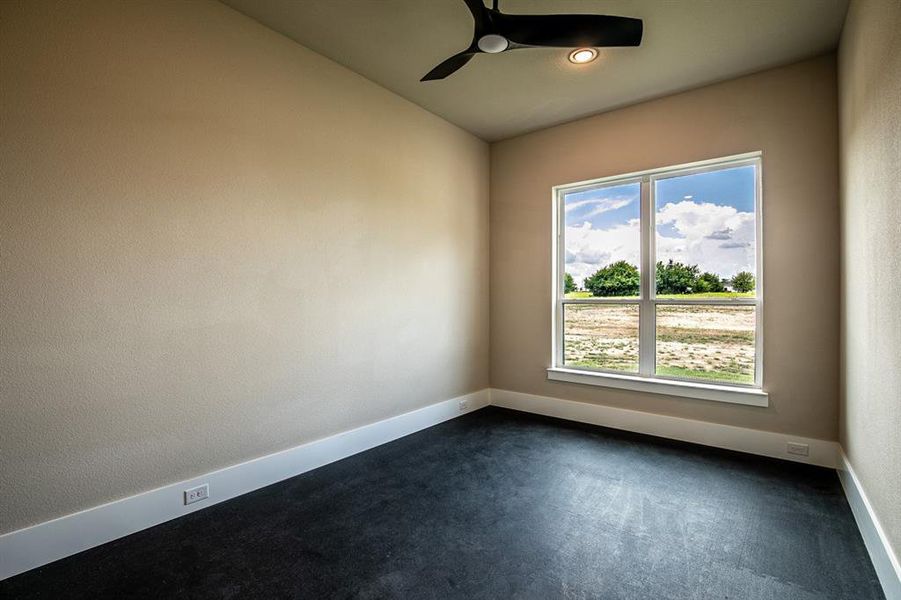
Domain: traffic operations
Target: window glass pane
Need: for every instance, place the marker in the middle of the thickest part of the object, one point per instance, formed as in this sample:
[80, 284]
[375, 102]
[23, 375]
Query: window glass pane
[601, 336]
[602, 241]
[706, 234]
[706, 342]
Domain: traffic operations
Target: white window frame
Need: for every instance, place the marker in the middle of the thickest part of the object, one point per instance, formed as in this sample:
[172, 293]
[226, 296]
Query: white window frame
[646, 380]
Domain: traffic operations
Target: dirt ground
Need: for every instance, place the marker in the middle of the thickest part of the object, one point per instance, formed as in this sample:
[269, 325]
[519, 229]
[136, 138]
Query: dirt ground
[704, 342]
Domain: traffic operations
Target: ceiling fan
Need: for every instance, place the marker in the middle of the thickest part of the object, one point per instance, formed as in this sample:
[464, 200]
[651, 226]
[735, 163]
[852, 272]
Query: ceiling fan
[496, 32]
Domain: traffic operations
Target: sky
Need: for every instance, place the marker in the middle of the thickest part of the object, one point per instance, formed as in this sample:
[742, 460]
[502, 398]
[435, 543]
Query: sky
[704, 219]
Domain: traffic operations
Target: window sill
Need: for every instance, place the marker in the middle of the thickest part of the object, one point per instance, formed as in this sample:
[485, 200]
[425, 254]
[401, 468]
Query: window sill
[685, 389]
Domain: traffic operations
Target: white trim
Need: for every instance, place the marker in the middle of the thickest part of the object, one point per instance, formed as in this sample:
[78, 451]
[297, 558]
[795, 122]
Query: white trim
[758, 277]
[670, 387]
[46, 542]
[647, 299]
[570, 187]
[647, 312]
[558, 220]
[886, 563]
[753, 441]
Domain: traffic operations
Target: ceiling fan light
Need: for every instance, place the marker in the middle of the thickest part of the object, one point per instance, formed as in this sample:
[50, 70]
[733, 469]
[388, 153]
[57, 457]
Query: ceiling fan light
[580, 56]
[493, 43]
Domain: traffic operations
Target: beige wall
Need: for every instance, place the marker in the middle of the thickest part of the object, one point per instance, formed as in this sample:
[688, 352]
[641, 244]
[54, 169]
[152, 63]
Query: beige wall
[215, 244]
[870, 101]
[790, 114]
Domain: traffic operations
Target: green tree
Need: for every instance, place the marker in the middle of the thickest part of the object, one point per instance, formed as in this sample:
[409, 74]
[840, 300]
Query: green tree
[708, 283]
[617, 279]
[676, 278]
[743, 282]
[569, 284]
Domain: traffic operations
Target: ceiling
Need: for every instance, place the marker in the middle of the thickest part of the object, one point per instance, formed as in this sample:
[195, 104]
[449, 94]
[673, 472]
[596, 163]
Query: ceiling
[687, 43]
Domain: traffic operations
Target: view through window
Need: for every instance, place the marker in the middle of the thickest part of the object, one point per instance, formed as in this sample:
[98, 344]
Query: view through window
[659, 273]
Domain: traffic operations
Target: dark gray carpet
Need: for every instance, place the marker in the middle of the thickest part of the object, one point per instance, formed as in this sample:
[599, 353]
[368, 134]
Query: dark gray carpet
[500, 504]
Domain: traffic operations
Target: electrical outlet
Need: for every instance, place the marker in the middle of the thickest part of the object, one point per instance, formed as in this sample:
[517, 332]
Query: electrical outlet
[799, 449]
[464, 404]
[196, 494]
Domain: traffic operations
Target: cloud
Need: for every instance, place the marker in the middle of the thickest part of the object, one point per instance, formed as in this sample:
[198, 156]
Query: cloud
[717, 238]
[722, 234]
[705, 227]
[598, 206]
[589, 249]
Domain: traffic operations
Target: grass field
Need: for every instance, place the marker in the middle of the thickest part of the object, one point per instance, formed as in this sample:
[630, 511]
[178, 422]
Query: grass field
[698, 342]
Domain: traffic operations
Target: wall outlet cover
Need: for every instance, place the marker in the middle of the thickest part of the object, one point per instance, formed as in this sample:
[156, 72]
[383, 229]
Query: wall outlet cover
[196, 494]
[799, 449]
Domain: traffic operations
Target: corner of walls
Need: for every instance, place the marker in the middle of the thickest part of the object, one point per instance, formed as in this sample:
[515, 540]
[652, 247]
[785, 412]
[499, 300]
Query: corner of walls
[869, 86]
[875, 538]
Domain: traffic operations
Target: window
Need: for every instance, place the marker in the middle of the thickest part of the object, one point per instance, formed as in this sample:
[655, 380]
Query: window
[657, 279]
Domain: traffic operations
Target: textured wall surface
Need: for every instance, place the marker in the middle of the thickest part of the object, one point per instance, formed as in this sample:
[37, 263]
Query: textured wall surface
[870, 117]
[215, 244]
[790, 114]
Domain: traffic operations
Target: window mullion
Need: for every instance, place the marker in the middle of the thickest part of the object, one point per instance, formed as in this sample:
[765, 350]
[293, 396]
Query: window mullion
[646, 324]
[559, 270]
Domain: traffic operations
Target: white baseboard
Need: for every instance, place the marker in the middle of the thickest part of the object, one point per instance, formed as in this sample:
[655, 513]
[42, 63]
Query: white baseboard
[40, 544]
[753, 441]
[43, 543]
[765, 443]
[886, 563]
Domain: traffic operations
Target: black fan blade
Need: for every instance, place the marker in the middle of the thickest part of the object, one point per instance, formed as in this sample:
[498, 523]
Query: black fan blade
[449, 66]
[568, 31]
[479, 15]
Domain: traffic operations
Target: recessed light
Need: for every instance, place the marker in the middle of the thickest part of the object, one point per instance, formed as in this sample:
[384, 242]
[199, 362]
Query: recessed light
[581, 56]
